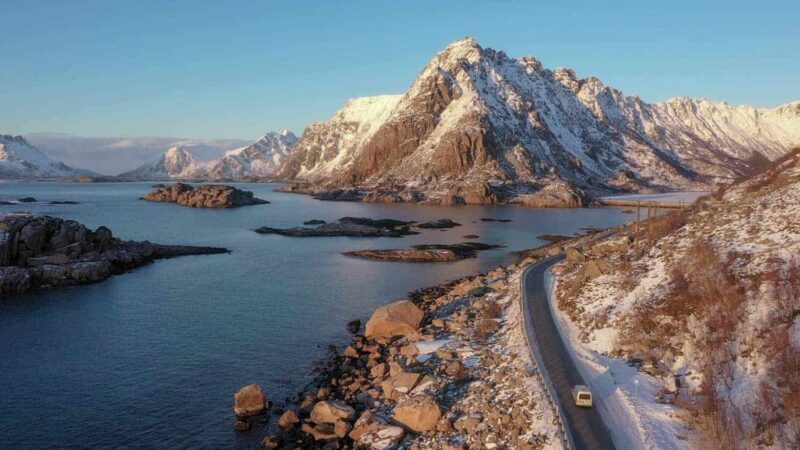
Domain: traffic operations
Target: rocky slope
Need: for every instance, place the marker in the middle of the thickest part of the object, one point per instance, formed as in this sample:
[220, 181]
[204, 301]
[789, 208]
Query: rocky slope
[479, 127]
[707, 301]
[258, 160]
[449, 368]
[43, 251]
[19, 159]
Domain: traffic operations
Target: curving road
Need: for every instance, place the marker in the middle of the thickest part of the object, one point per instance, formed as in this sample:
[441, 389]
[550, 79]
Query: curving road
[585, 427]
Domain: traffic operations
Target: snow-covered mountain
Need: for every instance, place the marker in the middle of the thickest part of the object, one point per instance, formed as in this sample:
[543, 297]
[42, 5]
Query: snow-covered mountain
[258, 160]
[19, 159]
[175, 163]
[478, 126]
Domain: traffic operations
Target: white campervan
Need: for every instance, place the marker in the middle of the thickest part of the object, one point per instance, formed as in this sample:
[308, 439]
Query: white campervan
[582, 395]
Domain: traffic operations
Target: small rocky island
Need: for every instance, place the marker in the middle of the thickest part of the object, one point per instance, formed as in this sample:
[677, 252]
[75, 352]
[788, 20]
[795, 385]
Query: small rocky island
[204, 196]
[347, 226]
[43, 251]
[426, 253]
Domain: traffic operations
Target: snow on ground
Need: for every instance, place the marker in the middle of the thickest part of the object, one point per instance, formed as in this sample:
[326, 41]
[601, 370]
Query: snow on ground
[625, 395]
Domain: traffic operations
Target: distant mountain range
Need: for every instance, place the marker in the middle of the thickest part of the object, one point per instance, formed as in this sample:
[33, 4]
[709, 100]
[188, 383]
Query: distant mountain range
[21, 160]
[479, 127]
[256, 161]
[113, 155]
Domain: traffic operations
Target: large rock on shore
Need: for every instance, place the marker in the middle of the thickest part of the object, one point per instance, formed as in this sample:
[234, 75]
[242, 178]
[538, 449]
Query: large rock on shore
[204, 196]
[331, 412]
[419, 413]
[249, 401]
[39, 251]
[400, 318]
[557, 194]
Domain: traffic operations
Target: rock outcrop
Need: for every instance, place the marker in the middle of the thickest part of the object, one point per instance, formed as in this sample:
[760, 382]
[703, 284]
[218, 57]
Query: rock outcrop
[204, 196]
[555, 195]
[249, 401]
[346, 226]
[426, 252]
[44, 251]
[395, 319]
[420, 413]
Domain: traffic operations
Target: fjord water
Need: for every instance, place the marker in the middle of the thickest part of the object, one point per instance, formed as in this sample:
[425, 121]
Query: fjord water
[152, 358]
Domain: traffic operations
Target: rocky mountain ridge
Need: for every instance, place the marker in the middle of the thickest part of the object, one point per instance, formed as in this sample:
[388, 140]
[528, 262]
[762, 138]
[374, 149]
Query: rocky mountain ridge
[479, 127]
[256, 161]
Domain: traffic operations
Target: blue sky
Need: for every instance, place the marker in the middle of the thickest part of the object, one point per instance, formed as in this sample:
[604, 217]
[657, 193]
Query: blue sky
[227, 69]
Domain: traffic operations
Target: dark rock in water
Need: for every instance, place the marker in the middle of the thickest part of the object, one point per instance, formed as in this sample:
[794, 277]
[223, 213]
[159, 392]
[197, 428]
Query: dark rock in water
[62, 202]
[314, 222]
[426, 253]
[241, 425]
[158, 185]
[553, 237]
[491, 219]
[44, 251]
[204, 196]
[353, 326]
[347, 226]
[441, 223]
[470, 236]
[3, 202]
[27, 200]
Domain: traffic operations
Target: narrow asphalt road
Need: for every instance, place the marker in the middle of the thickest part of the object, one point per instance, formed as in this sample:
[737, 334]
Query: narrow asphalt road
[584, 424]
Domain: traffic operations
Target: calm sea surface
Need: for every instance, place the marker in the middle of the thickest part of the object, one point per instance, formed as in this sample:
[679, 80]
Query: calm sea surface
[152, 358]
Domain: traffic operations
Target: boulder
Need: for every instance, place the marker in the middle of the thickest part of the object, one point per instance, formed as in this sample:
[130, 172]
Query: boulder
[366, 423]
[595, 268]
[384, 437]
[574, 255]
[249, 400]
[320, 432]
[401, 318]
[419, 413]
[331, 411]
[288, 419]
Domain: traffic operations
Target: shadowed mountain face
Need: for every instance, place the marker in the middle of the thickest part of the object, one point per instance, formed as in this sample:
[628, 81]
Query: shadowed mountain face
[476, 119]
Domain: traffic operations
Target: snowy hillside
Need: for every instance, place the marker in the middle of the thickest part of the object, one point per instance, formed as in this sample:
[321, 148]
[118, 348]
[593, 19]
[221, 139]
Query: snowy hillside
[479, 126]
[709, 300]
[327, 148]
[257, 160]
[19, 159]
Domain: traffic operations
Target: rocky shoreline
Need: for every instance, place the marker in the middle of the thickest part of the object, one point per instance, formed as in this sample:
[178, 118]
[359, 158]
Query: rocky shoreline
[446, 368]
[42, 252]
[553, 194]
[426, 252]
[203, 196]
